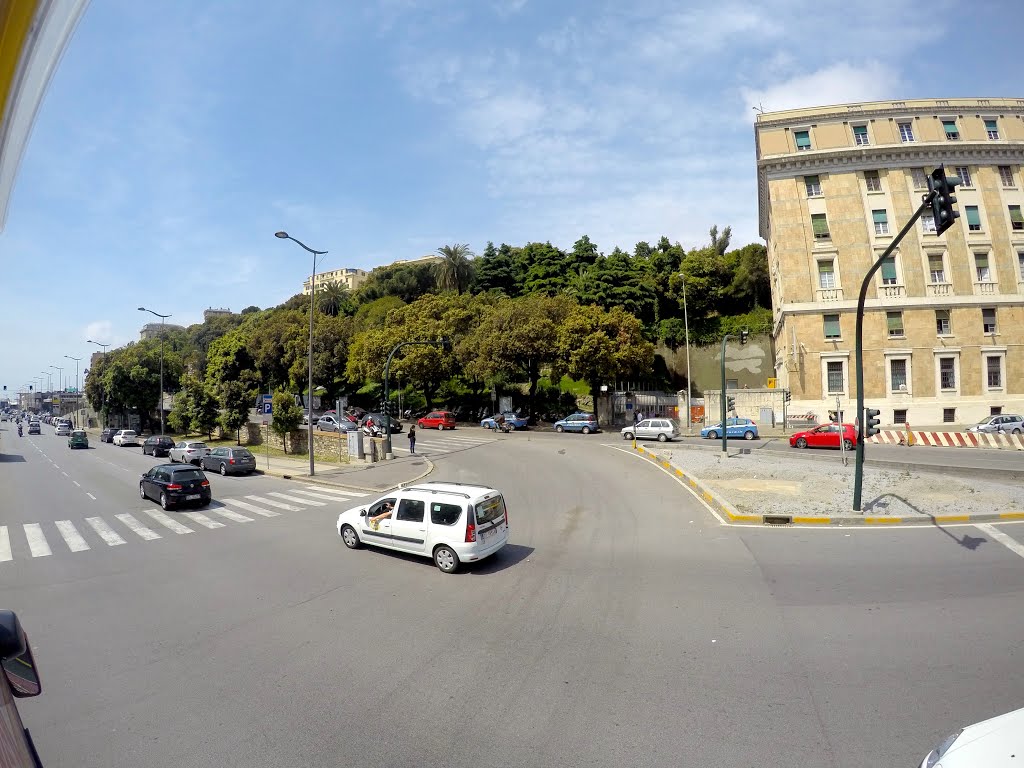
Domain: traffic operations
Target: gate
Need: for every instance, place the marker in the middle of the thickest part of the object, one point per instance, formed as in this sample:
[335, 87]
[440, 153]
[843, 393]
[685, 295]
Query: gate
[649, 403]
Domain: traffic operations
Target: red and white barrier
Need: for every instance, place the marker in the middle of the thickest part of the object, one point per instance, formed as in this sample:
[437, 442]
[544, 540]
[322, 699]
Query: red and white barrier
[951, 439]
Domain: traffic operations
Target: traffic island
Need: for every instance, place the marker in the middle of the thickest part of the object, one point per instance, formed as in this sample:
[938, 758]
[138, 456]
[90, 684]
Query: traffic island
[751, 488]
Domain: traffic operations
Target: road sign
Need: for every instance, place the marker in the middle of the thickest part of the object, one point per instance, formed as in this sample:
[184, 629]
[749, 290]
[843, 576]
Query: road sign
[268, 403]
[771, 383]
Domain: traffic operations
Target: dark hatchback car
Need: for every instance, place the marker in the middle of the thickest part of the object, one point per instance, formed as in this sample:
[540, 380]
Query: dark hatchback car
[157, 445]
[173, 485]
[107, 435]
[229, 461]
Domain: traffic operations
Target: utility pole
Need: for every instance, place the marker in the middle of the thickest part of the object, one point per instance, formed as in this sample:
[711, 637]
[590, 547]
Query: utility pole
[728, 403]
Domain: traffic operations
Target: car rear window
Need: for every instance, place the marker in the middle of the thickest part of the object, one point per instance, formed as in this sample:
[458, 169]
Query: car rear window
[196, 445]
[242, 454]
[490, 509]
[187, 474]
[444, 514]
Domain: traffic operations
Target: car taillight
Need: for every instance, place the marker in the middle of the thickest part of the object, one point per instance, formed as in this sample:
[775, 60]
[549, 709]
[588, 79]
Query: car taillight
[205, 483]
[506, 516]
[470, 528]
[173, 487]
[231, 461]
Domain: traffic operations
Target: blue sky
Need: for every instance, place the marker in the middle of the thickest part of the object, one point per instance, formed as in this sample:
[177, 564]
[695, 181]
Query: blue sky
[176, 138]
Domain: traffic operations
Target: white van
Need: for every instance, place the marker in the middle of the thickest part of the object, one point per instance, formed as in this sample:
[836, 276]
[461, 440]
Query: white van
[451, 523]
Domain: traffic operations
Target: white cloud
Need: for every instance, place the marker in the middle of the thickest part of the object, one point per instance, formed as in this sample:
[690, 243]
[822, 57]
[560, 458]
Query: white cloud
[99, 330]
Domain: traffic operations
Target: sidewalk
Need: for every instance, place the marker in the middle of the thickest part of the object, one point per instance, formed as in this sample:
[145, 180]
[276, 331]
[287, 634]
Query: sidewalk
[373, 478]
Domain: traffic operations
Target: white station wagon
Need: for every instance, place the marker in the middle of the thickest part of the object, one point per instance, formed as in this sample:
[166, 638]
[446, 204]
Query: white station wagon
[451, 523]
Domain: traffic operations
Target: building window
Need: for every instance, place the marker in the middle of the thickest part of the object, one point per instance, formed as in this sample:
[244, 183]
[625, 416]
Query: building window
[803, 140]
[973, 219]
[820, 226]
[964, 173]
[928, 222]
[813, 185]
[894, 322]
[992, 130]
[952, 134]
[918, 178]
[942, 326]
[947, 372]
[835, 377]
[994, 371]
[860, 135]
[889, 271]
[936, 267]
[949, 415]
[881, 222]
[732, 383]
[899, 416]
[898, 374]
[1016, 219]
[873, 182]
[832, 327]
[988, 320]
[906, 132]
[981, 268]
[995, 410]
[1020, 263]
[826, 274]
[1006, 175]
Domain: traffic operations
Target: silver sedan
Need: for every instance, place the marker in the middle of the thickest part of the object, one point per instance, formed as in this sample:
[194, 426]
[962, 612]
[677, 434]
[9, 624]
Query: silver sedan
[188, 452]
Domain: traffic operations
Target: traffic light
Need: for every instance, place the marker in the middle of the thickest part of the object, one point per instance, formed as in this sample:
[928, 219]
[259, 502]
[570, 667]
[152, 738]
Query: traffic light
[29, 387]
[871, 421]
[942, 203]
[789, 396]
[743, 336]
[730, 403]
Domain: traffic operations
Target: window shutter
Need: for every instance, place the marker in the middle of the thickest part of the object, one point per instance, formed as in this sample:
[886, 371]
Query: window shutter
[831, 326]
[1015, 215]
[819, 223]
[990, 125]
[889, 268]
[973, 218]
[803, 139]
[879, 217]
[894, 321]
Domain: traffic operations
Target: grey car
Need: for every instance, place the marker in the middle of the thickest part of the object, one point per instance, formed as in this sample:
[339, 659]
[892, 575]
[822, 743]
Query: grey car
[1007, 423]
[229, 461]
[652, 429]
[188, 452]
[331, 423]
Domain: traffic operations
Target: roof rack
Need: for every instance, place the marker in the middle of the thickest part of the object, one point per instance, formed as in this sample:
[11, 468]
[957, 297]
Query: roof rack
[437, 490]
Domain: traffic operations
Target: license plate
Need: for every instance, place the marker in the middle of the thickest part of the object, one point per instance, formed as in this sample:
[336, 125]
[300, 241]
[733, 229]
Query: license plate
[485, 535]
[192, 497]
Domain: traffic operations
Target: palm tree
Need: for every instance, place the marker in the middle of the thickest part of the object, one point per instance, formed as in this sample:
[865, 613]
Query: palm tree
[333, 297]
[455, 270]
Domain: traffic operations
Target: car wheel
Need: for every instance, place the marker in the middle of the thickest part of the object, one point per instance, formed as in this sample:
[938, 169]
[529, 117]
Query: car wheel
[848, 444]
[801, 442]
[349, 536]
[712, 435]
[142, 491]
[586, 430]
[163, 501]
[748, 435]
[559, 428]
[223, 469]
[627, 435]
[440, 427]
[662, 438]
[446, 559]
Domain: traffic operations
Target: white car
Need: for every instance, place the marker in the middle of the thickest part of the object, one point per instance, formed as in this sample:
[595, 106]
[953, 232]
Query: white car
[652, 429]
[125, 437]
[1006, 423]
[188, 452]
[994, 743]
[63, 429]
[451, 523]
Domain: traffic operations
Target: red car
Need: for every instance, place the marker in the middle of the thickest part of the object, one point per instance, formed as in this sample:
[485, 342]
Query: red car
[825, 436]
[437, 420]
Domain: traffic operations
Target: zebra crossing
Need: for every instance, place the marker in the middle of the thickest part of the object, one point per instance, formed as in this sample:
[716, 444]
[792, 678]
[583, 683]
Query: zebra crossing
[436, 443]
[70, 536]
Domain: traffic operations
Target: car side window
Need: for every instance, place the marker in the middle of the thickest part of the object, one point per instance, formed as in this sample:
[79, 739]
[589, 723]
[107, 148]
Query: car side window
[411, 510]
[377, 507]
[444, 514]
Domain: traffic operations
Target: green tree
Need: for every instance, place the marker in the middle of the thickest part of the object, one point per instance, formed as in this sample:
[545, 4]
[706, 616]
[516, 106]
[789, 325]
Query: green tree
[545, 269]
[751, 283]
[204, 410]
[235, 402]
[332, 299]
[584, 254]
[130, 379]
[496, 270]
[720, 243]
[599, 346]
[287, 416]
[180, 417]
[374, 314]
[455, 270]
[406, 281]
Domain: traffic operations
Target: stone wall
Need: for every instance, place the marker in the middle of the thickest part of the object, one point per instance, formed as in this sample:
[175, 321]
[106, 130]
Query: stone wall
[751, 364]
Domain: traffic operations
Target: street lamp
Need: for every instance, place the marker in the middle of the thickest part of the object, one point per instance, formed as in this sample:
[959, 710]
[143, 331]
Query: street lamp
[162, 318]
[689, 386]
[60, 376]
[102, 394]
[78, 388]
[312, 296]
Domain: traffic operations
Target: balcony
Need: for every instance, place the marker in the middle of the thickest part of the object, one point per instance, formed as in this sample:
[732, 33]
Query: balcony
[986, 288]
[940, 289]
[827, 295]
[891, 291]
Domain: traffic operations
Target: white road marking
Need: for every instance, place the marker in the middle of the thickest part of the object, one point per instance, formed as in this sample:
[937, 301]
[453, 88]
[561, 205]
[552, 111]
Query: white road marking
[139, 528]
[228, 514]
[54, 465]
[77, 483]
[5, 545]
[167, 521]
[199, 517]
[1010, 543]
[250, 508]
[64, 473]
[91, 496]
[270, 502]
[315, 495]
[337, 491]
[71, 535]
[298, 499]
[36, 540]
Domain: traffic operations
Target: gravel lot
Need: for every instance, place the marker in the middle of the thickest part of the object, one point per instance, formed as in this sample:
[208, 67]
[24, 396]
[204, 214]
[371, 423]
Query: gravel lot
[767, 483]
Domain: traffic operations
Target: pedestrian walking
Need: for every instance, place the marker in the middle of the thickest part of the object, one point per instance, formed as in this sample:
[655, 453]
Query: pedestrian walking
[412, 440]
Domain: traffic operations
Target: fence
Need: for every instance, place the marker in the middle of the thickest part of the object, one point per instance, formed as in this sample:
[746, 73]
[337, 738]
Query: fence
[648, 403]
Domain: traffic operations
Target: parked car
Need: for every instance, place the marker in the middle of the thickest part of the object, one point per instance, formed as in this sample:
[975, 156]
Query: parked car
[332, 423]
[78, 439]
[437, 420]
[993, 742]
[513, 420]
[1007, 423]
[735, 427]
[125, 437]
[578, 422]
[157, 445]
[173, 485]
[107, 435]
[378, 419]
[451, 523]
[825, 436]
[652, 429]
[229, 461]
[188, 452]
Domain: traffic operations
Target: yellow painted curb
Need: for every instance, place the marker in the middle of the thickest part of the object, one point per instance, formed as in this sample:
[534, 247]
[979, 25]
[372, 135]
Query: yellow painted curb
[745, 518]
[882, 520]
[952, 518]
[1011, 515]
[812, 520]
[707, 497]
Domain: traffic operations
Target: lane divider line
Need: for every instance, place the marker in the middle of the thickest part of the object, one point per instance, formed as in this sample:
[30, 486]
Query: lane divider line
[91, 496]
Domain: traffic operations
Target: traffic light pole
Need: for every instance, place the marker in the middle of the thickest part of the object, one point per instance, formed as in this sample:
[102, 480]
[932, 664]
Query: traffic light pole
[725, 408]
[858, 475]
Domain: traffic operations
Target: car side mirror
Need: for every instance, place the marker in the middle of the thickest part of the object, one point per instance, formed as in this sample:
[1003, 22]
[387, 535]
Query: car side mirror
[16, 657]
[362, 513]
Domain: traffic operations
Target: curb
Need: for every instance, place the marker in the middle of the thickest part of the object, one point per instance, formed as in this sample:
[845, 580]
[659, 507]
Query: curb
[318, 481]
[725, 509]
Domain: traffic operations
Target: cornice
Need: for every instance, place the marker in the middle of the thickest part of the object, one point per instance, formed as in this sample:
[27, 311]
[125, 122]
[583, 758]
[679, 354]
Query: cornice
[855, 113]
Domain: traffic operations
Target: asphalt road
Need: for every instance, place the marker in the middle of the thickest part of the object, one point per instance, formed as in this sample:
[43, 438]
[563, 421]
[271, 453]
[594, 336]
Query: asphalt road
[624, 625]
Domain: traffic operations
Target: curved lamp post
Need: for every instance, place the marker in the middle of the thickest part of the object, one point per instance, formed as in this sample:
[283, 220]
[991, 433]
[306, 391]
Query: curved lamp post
[78, 395]
[162, 318]
[312, 296]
